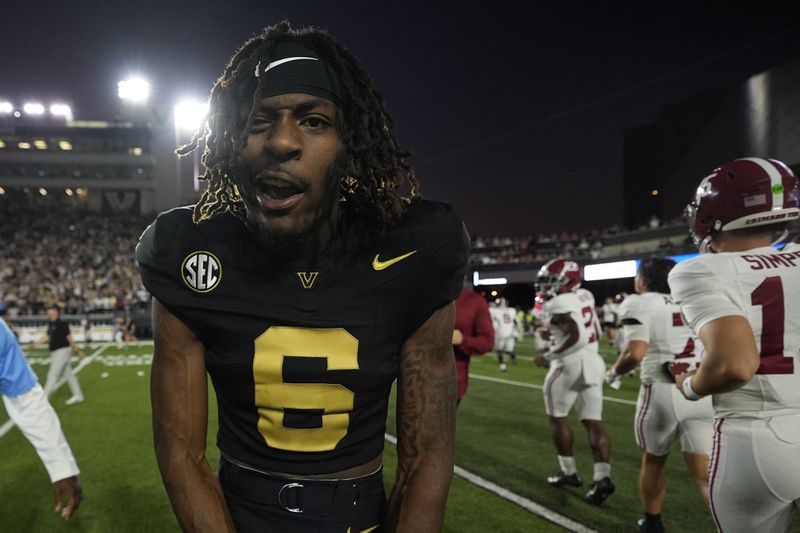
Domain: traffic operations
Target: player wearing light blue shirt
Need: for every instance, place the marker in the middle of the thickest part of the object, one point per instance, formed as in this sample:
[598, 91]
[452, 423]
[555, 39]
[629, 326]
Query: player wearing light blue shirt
[28, 408]
[16, 377]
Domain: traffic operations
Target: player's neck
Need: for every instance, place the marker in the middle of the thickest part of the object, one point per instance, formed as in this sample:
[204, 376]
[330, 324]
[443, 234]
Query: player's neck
[729, 242]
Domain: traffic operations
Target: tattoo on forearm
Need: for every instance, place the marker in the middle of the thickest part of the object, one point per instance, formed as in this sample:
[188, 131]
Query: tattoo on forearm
[426, 400]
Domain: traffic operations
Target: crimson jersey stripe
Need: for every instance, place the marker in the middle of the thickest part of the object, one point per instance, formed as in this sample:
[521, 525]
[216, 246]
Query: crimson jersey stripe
[715, 453]
[648, 391]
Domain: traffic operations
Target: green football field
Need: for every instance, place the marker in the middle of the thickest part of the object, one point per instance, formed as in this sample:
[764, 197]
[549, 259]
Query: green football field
[503, 439]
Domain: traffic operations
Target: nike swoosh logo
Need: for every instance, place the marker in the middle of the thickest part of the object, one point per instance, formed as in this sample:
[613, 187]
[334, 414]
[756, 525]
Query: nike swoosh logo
[280, 62]
[377, 264]
[373, 528]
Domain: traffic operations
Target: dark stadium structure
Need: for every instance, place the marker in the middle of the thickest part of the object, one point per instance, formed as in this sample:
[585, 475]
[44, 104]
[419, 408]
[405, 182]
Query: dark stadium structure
[104, 180]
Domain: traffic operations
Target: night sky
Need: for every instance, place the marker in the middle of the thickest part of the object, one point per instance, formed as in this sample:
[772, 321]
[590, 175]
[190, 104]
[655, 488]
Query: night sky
[514, 111]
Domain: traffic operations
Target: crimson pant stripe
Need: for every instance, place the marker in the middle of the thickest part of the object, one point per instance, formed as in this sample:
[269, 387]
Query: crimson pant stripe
[715, 453]
[640, 420]
[548, 394]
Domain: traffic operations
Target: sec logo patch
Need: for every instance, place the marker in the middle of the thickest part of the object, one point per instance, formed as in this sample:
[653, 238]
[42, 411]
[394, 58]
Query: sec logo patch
[201, 271]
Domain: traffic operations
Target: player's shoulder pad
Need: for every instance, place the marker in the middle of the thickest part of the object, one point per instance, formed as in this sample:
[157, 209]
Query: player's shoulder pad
[632, 301]
[174, 230]
[436, 234]
[632, 308]
[168, 227]
[695, 275]
[585, 296]
[791, 247]
[566, 302]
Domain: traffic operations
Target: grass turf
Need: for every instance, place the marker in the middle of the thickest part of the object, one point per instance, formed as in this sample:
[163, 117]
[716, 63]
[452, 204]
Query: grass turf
[502, 436]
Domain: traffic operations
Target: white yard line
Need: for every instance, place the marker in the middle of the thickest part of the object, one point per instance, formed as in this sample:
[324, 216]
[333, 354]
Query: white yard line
[539, 387]
[529, 505]
[6, 427]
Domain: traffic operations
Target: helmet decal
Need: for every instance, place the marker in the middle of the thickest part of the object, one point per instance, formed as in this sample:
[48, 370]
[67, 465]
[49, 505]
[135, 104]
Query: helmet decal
[739, 194]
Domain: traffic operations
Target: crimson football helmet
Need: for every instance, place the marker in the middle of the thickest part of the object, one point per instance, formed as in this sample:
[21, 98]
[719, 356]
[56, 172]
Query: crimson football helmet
[742, 194]
[558, 276]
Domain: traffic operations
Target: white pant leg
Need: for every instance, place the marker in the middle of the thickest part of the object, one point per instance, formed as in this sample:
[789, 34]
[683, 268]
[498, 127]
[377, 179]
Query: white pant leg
[754, 476]
[695, 422]
[589, 403]
[663, 415]
[560, 386]
[72, 381]
[59, 359]
[655, 424]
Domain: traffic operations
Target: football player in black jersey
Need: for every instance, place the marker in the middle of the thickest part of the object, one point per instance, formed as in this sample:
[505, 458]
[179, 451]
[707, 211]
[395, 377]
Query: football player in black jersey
[308, 277]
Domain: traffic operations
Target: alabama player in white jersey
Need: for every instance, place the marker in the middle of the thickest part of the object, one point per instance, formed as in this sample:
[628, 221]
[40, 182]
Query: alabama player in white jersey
[743, 299]
[506, 329]
[656, 337]
[575, 375]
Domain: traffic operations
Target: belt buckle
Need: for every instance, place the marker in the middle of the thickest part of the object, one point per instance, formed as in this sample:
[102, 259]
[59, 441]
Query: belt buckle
[280, 495]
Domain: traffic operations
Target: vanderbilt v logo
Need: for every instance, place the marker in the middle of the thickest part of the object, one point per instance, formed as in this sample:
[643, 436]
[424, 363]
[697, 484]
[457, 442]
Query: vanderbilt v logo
[307, 279]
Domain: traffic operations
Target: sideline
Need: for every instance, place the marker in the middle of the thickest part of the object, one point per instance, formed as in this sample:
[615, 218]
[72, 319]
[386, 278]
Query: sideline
[6, 427]
[606, 398]
[529, 505]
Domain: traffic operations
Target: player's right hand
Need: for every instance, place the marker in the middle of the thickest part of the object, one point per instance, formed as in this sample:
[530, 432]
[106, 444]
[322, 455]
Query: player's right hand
[613, 380]
[69, 489]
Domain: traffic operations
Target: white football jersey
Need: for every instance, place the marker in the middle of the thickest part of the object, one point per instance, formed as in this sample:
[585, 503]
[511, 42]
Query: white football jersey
[580, 306]
[504, 320]
[654, 318]
[762, 285]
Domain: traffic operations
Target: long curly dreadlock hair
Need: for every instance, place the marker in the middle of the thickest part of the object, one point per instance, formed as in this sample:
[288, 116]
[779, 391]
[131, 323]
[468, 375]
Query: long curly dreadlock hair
[373, 171]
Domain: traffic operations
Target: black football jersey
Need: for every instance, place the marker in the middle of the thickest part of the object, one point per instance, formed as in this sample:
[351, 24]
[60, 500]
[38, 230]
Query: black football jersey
[302, 353]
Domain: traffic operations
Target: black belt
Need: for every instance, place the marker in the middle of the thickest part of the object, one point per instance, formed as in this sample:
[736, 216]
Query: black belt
[295, 495]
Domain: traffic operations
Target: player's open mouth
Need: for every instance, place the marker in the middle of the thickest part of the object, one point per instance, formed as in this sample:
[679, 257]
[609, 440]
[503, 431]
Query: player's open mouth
[276, 194]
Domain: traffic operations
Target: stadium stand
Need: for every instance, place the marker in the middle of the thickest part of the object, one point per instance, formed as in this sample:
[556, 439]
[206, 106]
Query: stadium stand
[63, 249]
[609, 243]
[56, 251]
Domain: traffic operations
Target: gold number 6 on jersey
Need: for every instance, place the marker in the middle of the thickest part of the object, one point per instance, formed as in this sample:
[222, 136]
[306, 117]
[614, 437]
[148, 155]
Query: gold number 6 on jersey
[273, 396]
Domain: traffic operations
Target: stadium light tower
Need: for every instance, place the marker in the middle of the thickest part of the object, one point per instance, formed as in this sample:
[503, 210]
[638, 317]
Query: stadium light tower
[133, 90]
[33, 108]
[189, 114]
[61, 110]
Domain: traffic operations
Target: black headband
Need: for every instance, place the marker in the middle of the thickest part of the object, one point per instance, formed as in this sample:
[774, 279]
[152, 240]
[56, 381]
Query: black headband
[293, 68]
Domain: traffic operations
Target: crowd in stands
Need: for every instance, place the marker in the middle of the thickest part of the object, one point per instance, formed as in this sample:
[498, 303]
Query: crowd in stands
[613, 241]
[54, 251]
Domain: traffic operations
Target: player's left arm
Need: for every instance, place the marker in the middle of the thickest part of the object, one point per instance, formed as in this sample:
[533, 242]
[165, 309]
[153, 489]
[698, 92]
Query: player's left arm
[75, 349]
[36, 419]
[572, 331]
[636, 335]
[426, 406]
[731, 357]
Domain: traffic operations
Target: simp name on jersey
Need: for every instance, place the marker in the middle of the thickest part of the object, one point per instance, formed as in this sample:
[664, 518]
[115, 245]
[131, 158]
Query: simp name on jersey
[762, 261]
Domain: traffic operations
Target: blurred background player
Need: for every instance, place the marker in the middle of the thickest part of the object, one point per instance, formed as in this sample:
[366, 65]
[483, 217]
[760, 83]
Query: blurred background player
[575, 375]
[27, 406]
[742, 297]
[473, 333]
[129, 330]
[610, 319]
[62, 346]
[656, 337]
[506, 329]
[541, 337]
